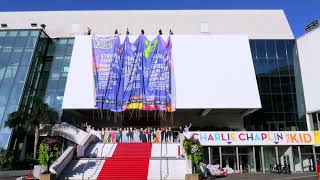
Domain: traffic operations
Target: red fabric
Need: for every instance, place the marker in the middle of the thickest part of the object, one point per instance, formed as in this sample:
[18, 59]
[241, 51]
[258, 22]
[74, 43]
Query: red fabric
[129, 161]
[318, 168]
[178, 150]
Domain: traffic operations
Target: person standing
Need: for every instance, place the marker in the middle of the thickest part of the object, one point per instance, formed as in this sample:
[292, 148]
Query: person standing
[120, 137]
[181, 137]
[170, 135]
[149, 134]
[125, 135]
[163, 131]
[131, 134]
[113, 136]
[106, 135]
[136, 135]
[158, 135]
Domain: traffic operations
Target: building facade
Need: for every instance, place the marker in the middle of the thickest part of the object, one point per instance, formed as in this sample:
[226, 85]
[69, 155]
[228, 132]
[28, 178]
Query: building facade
[257, 77]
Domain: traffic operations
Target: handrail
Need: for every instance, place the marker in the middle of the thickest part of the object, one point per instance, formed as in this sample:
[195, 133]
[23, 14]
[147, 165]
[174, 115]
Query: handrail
[160, 158]
[167, 160]
[113, 144]
[88, 162]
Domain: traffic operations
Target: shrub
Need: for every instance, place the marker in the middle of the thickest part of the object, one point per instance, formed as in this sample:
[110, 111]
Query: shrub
[43, 154]
[194, 150]
[6, 159]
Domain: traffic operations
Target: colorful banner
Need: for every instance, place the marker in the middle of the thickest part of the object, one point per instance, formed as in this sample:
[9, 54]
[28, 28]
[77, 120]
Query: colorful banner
[231, 138]
[317, 138]
[135, 75]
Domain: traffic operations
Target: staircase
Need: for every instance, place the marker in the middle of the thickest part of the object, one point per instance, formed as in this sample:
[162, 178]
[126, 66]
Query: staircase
[129, 161]
[172, 169]
[75, 169]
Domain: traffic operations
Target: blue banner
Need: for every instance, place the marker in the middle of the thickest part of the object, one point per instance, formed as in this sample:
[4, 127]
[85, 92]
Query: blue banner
[135, 75]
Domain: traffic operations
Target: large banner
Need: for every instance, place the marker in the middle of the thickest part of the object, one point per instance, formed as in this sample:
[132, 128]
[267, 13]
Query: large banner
[231, 138]
[133, 75]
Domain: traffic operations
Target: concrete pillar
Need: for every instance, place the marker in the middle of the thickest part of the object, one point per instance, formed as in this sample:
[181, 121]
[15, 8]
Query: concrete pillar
[262, 160]
[315, 157]
[254, 159]
[238, 163]
[209, 152]
[277, 155]
[309, 122]
[318, 124]
[220, 156]
[300, 158]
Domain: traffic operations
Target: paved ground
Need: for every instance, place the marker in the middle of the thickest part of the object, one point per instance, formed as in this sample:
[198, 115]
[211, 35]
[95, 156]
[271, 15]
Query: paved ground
[268, 176]
[259, 176]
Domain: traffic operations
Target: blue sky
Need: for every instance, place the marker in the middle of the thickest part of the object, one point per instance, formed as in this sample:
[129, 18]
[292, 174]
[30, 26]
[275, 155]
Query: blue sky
[298, 12]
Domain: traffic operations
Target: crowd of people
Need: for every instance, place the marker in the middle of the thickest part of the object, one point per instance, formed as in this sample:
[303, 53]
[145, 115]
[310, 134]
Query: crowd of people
[130, 134]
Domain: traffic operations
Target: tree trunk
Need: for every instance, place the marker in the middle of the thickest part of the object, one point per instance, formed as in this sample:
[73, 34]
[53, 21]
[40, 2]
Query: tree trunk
[23, 150]
[36, 139]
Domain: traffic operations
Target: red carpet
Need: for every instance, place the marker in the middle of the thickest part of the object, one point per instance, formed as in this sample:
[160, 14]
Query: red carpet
[129, 161]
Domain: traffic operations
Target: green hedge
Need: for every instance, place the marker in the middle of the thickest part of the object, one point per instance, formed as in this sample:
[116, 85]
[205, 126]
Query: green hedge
[194, 150]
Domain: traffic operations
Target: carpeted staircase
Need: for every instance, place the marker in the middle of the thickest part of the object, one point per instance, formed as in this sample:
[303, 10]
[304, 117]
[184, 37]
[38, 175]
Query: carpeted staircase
[129, 161]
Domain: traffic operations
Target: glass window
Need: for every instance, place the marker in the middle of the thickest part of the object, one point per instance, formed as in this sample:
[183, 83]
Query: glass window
[15, 56]
[2, 71]
[11, 72]
[34, 33]
[275, 84]
[3, 33]
[277, 102]
[281, 49]
[6, 84]
[10, 39]
[21, 39]
[26, 57]
[273, 67]
[264, 85]
[12, 33]
[50, 97]
[31, 42]
[261, 49]
[271, 49]
[62, 84]
[4, 56]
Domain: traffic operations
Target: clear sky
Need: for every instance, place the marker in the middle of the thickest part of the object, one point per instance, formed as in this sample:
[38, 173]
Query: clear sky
[298, 12]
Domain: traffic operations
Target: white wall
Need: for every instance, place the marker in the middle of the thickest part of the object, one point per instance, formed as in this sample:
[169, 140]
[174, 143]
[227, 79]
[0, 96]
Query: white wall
[211, 71]
[257, 24]
[309, 57]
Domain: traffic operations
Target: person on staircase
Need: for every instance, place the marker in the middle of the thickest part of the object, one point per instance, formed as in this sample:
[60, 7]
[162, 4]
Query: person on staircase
[170, 135]
[136, 135]
[131, 134]
[149, 134]
[158, 135]
[106, 135]
[125, 135]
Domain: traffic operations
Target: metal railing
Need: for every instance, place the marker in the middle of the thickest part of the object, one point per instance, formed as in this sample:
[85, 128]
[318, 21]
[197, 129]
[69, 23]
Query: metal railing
[83, 170]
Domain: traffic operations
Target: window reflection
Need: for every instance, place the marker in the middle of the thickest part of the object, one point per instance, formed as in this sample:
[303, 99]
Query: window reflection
[273, 63]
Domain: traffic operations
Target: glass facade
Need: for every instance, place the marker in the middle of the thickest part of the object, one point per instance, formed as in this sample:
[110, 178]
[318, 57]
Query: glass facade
[279, 82]
[55, 72]
[20, 52]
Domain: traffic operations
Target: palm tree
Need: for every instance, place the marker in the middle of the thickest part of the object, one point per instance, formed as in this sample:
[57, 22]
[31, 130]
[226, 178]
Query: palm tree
[16, 121]
[41, 114]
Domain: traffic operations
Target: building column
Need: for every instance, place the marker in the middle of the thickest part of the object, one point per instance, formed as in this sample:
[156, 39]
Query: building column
[300, 159]
[318, 125]
[238, 163]
[309, 122]
[254, 159]
[315, 157]
[209, 152]
[277, 155]
[262, 160]
[220, 156]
